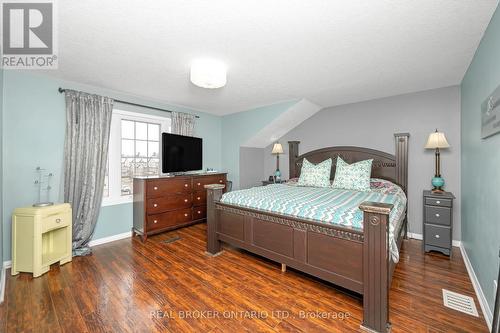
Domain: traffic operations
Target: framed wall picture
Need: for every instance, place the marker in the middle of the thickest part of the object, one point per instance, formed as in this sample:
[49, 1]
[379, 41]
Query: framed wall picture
[490, 114]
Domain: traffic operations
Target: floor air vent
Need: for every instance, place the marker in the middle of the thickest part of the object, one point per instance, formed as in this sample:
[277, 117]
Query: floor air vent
[171, 239]
[459, 302]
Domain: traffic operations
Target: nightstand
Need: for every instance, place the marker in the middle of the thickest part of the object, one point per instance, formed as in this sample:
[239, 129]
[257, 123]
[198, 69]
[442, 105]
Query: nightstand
[267, 182]
[41, 236]
[438, 221]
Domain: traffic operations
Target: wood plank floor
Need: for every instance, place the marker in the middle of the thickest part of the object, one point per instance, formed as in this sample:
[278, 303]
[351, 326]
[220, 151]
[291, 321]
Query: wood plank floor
[127, 286]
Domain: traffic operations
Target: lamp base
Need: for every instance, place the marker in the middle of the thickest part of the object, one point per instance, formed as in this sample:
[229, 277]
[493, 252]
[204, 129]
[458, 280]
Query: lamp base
[277, 175]
[437, 183]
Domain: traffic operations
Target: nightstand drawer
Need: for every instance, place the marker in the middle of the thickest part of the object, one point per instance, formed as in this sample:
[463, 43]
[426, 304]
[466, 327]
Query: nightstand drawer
[438, 202]
[437, 236]
[55, 221]
[438, 215]
[169, 203]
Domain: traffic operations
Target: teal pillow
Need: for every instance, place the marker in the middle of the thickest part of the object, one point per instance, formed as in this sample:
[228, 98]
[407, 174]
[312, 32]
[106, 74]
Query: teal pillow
[315, 175]
[354, 176]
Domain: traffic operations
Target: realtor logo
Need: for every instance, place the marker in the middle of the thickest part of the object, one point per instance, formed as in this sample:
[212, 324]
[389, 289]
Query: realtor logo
[28, 35]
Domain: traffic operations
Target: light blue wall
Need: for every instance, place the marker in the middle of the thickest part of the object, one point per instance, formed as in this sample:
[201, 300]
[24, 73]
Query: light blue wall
[238, 128]
[481, 163]
[33, 131]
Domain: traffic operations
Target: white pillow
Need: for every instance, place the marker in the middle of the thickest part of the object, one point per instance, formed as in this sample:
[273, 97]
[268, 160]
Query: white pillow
[354, 176]
[315, 175]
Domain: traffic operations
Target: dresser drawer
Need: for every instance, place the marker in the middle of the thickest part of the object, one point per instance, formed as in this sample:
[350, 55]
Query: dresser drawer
[200, 182]
[55, 221]
[200, 198]
[437, 236]
[199, 212]
[438, 202]
[438, 215]
[160, 187]
[168, 219]
[169, 202]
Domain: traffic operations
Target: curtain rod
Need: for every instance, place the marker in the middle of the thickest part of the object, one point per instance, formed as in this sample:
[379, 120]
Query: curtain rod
[61, 90]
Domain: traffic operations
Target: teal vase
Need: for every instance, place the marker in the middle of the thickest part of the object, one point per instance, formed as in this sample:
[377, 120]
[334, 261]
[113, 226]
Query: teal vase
[437, 182]
[277, 175]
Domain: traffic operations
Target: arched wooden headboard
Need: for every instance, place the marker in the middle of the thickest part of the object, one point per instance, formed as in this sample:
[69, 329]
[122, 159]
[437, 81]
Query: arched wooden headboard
[386, 166]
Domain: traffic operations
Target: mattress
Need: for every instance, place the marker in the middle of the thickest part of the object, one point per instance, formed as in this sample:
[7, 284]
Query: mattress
[325, 205]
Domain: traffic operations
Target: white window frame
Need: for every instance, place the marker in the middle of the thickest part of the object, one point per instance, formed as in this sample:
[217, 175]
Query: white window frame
[115, 149]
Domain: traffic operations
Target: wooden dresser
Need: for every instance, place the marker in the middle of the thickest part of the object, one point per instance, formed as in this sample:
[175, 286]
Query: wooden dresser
[166, 203]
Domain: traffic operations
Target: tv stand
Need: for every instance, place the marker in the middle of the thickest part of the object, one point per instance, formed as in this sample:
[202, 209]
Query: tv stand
[169, 202]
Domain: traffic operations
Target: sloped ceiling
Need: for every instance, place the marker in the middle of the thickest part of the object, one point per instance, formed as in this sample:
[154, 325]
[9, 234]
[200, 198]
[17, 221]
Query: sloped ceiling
[282, 124]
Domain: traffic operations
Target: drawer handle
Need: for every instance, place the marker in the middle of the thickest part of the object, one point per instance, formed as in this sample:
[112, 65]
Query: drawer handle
[438, 202]
[155, 205]
[198, 184]
[155, 188]
[198, 198]
[437, 236]
[185, 200]
[220, 180]
[199, 212]
[437, 215]
[185, 214]
[58, 220]
[155, 221]
[185, 185]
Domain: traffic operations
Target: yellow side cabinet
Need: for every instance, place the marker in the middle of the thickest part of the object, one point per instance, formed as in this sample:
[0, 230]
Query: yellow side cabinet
[41, 236]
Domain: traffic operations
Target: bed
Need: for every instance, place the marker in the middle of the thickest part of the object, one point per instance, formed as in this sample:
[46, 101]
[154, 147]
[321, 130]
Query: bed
[315, 231]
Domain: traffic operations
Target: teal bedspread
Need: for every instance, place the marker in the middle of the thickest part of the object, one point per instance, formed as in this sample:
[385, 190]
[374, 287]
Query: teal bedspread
[325, 205]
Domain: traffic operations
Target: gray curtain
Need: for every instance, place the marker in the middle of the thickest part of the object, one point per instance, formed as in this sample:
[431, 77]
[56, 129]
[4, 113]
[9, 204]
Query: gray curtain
[183, 123]
[88, 122]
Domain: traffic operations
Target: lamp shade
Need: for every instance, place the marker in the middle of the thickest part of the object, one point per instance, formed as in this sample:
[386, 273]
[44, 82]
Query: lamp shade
[208, 73]
[277, 148]
[437, 140]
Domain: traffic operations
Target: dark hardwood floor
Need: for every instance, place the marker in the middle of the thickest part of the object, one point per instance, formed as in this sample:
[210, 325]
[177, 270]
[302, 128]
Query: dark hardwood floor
[127, 286]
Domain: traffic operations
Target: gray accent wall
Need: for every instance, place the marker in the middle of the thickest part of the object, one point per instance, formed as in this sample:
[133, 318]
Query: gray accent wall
[480, 164]
[372, 124]
[251, 166]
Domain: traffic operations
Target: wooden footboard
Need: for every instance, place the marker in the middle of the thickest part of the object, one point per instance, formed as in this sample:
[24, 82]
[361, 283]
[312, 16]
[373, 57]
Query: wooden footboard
[354, 259]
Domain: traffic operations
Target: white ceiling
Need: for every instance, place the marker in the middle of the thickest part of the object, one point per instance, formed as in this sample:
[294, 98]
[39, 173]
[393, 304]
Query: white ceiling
[331, 52]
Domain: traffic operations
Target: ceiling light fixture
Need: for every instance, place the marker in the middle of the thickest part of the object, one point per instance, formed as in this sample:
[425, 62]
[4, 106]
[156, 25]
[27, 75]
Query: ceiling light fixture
[208, 73]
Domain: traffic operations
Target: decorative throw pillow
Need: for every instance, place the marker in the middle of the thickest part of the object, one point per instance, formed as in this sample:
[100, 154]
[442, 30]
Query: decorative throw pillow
[315, 175]
[354, 176]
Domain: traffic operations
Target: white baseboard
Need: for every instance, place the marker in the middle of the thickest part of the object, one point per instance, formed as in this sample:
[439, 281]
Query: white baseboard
[109, 239]
[488, 315]
[5, 265]
[2, 284]
[455, 243]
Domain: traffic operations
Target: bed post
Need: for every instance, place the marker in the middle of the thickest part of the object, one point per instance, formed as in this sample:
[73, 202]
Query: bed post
[214, 193]
[376, 266]
[293, 153]
[402, 168]
[402, 159]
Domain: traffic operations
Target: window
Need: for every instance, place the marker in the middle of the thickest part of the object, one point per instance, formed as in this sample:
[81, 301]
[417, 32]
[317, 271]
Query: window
[134, 151]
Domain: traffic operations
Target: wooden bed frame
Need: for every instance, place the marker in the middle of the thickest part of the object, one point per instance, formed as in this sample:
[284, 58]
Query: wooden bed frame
[356, 259]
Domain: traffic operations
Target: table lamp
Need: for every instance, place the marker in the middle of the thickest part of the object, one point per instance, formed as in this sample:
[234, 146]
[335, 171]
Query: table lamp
[277, 150]
[437, 141]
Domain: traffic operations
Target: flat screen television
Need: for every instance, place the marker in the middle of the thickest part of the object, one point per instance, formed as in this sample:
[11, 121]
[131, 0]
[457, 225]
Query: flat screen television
[181, 153]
